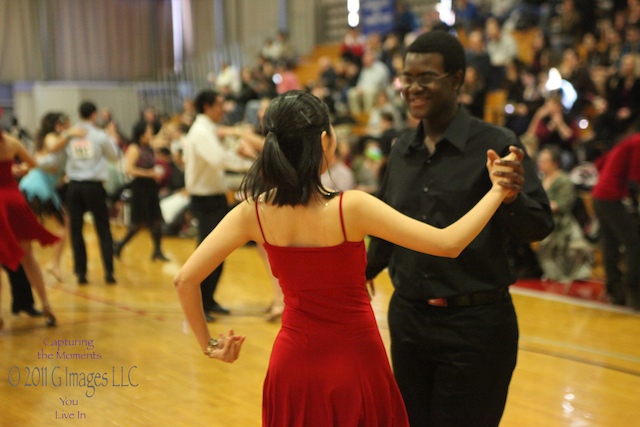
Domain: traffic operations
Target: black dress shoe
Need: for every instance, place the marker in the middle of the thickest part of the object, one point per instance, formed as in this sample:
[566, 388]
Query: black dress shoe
[217, 308]
[110, 279]
[117, 249]
[159, 256]
[209, 318]
[30, 311]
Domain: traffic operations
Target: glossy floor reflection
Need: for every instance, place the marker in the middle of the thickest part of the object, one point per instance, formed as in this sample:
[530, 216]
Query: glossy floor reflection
[579, 360]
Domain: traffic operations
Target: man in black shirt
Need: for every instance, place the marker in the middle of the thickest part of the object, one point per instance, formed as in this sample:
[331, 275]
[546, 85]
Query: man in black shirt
[454, 332]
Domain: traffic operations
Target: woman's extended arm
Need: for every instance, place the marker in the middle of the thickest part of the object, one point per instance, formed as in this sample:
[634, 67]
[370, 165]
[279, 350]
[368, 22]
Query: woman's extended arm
[229, 235]
[373, 217]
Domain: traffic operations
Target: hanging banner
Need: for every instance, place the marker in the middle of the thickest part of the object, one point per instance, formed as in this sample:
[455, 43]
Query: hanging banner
[377, 16]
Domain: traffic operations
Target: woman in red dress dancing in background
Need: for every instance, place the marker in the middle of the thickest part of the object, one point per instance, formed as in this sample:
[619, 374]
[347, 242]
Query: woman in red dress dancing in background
[18, 225]
[328, 366]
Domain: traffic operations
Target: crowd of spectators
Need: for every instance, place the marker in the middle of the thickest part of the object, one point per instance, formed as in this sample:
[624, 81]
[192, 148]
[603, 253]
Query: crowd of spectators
[567, 72]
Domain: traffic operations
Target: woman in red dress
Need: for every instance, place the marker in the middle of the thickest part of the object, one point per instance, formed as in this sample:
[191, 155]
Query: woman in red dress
[18, 224]
[328, 366]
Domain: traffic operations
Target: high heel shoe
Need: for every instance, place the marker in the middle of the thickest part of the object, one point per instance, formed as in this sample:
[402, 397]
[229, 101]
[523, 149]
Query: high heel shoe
[49, 318]
[159, 256]
[32, 312]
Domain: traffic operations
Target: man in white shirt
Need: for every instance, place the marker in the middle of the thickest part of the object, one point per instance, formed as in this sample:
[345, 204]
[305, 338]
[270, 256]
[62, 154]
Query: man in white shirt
[206, 160]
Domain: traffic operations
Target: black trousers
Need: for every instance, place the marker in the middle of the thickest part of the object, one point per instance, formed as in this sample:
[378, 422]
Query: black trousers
[82, 197]
[453, 364]
[617, 228]
[209, 211]
[21, 294]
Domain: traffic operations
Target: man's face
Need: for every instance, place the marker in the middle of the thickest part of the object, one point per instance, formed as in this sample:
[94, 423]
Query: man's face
[216, 111]
[437, 96]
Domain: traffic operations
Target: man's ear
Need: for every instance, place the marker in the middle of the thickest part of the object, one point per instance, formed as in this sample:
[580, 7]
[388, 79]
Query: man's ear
[459, 77]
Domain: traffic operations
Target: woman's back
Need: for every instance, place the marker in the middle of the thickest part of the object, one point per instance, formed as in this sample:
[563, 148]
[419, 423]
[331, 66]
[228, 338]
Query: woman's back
[316, 375]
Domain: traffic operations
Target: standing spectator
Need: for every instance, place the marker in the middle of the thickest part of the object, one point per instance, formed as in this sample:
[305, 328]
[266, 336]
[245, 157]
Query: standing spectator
[145, 202]
[618, 170]
[205, 162]
[454, 331]
[623, 101]
[87, 170]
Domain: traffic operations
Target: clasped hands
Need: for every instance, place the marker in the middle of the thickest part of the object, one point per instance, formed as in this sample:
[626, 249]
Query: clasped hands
[509, 169]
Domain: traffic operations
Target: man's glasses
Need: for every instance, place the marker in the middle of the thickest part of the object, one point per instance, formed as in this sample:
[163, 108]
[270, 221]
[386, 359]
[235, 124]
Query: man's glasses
[423, 80]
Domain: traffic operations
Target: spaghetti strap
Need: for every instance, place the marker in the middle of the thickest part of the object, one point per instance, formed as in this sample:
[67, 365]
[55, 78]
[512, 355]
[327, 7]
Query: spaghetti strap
[259, 223]
[344, 231]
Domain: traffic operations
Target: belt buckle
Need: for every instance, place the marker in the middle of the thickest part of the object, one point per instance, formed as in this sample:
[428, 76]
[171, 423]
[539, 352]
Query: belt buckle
[438, 302]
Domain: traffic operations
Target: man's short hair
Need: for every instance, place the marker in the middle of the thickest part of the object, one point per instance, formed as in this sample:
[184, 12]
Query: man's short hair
[438, 41]
[86, 109]
[206, 97]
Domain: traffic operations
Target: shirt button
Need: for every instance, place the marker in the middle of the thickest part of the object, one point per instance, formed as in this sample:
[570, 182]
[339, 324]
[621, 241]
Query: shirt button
[423, 217]
[425, 276]
[425, 190]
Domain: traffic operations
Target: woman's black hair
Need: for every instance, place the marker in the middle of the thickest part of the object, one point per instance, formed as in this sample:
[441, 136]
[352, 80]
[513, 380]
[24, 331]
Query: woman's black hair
[288, 169]
[47, 126]
[138, 130]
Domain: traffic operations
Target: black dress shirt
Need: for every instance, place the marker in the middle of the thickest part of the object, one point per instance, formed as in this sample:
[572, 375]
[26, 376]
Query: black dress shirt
[441, 188]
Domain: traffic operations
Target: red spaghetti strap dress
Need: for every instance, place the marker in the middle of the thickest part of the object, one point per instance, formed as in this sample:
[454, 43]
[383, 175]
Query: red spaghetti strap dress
[17, 221]
[328, 366]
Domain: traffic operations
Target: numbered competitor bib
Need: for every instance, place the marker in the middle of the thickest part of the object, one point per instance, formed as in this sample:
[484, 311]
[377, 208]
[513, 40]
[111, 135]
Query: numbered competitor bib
[81, 149]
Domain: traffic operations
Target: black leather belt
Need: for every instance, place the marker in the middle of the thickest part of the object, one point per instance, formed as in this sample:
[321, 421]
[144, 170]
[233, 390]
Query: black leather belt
[478, 298]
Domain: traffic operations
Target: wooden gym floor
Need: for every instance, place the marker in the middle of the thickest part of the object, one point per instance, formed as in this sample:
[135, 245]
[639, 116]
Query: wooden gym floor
[578, 365]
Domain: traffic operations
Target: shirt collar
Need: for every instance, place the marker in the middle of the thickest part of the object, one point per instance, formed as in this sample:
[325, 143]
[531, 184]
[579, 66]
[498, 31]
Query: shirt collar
[457, 133]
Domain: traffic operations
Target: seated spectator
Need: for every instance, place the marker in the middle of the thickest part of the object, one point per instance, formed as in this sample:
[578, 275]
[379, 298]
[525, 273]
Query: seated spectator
[467, 15]
[476, 54]
[472, 93]
[338, 175]
[352, 46]
[552, 127]
[366, 165]
[523, 97]
[382, 105]
[285, 78]
[373, 78]
[565, 255]
[502, 49]
[631, 42]
[228, 81]
[572, 71]
[567, 27]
